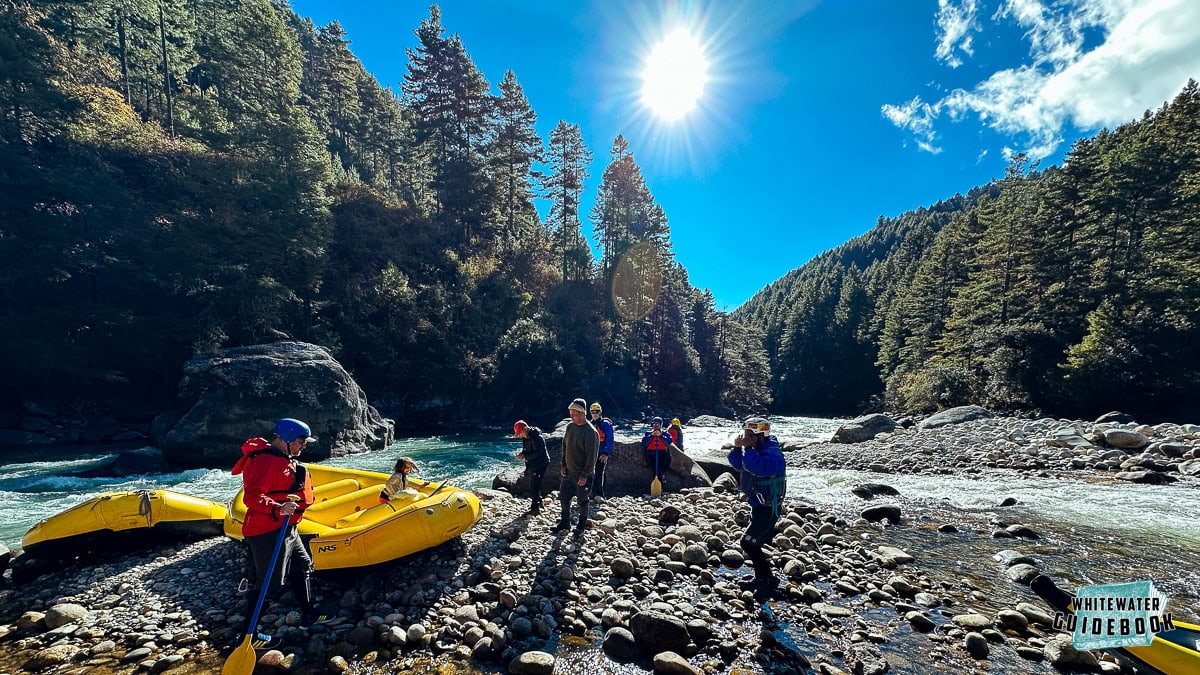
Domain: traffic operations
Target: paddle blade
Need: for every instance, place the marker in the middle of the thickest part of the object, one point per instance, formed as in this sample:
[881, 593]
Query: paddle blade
[655, 487]
[242, 660]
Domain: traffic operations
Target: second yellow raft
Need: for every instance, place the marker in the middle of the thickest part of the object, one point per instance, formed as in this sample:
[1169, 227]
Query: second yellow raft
[347, 526]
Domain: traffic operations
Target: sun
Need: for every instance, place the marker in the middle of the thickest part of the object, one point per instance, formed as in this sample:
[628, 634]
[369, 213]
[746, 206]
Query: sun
[675, 75]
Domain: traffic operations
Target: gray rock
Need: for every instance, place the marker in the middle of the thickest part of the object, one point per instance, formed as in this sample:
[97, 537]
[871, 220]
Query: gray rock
[1012, 620]
[1126, 440]
[657, 632]
[1022, 573]
[622, 567]
[237, 393]
[1060, 653]
[866, 659]
[889, 512]
[484, 649]
[870, 490]
[1116, 417]
[965, 413]
[51, 657]
[532, 663]
[1009, 557]
[1145, 477]
[976, 645]
[864, 429]
[919, 621]
[670, 663]
[620, 644]
[890, 556]
[64, 614]
[972, 621]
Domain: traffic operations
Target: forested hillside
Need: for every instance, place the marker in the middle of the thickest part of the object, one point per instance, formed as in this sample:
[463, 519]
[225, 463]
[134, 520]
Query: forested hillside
[1071, 290]
[179, 176]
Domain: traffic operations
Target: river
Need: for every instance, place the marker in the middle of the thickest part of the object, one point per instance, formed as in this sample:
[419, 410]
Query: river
[1093, 532]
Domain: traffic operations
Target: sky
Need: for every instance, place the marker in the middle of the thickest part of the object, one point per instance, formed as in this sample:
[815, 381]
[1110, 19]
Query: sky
[814, 117]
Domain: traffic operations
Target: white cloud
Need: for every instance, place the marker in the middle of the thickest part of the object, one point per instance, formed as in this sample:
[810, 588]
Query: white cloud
[916, 116]
[1147, 51]
[955, 24]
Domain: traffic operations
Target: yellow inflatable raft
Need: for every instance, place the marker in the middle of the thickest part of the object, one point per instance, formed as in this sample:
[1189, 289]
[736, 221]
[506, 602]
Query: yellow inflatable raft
[136, 515]
[347, 526]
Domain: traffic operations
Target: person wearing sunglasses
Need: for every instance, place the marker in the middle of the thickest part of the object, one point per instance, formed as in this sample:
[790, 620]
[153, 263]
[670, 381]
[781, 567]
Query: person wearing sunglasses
[757, 456]
[271, 476]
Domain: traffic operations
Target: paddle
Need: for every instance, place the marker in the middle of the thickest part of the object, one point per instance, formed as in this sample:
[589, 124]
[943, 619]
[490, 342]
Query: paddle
[243, 659]
[438, 489]
[656, 484]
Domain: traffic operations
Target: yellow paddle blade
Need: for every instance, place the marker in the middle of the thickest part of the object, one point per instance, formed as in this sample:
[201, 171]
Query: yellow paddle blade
[242, 660]
[655, 487]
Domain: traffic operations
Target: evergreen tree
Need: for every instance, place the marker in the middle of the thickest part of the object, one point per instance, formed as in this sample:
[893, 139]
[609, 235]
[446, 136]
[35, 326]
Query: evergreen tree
[449, 96]
[514, 149]
[567, 159]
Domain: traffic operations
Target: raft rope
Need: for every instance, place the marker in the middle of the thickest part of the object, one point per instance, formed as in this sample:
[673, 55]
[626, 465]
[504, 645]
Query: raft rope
[144, 506]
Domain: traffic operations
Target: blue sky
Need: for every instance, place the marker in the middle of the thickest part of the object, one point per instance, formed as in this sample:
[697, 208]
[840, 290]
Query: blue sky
[817, 116]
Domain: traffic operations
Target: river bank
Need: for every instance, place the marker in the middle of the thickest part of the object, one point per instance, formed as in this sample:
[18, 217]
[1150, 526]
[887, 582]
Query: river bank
[511, 586]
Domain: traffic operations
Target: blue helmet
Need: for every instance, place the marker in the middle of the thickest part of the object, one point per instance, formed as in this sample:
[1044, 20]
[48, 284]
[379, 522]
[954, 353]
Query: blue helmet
[656, 420]
[289, 430]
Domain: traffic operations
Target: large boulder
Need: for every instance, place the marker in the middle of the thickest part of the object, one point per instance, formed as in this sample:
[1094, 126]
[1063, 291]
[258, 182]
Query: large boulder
[627, 472]
[238, 393]
[864, 429]
[963, 413]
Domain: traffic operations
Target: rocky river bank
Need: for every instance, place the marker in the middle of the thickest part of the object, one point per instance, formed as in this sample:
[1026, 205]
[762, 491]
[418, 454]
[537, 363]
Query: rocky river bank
[650, 585]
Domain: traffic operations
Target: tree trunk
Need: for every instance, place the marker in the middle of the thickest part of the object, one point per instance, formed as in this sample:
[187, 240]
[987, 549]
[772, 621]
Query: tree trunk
[124, 50]
[162, 36]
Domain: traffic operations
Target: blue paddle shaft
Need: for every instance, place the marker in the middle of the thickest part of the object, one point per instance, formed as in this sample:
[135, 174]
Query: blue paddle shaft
[266, 582]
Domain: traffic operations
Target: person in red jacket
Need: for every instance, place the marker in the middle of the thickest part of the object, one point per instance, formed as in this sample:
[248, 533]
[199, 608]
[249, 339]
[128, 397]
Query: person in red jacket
[271, 476]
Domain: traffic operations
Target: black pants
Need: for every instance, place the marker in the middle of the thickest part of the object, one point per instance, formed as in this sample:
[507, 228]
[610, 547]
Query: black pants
[568, 488]
[294, 565]
[535, 487]
[759, 533]
[598, 479]
[663, 461]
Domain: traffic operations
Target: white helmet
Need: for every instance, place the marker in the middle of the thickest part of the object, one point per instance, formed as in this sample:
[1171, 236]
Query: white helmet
[758, 425]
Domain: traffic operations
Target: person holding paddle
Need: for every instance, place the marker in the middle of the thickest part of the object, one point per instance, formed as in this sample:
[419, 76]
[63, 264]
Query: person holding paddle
[757, 456]
[657, 444]
[580, 446]
[270, 476]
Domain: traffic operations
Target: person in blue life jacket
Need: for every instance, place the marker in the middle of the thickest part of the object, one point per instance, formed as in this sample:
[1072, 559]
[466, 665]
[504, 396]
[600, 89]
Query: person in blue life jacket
[580, 447]
[604, 427]
[533, 451]
[657, 444]
[757, 456]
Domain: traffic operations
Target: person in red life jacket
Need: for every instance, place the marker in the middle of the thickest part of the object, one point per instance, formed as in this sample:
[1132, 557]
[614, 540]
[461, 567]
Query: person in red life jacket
[398, 481]
[676, 432]
[533, 451]
[270, 475]
[580, 446]
[604, 427]
[758, 458]
[656, 445]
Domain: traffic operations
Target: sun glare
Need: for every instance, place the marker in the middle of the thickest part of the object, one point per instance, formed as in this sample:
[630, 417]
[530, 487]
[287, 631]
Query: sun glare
[675, 75]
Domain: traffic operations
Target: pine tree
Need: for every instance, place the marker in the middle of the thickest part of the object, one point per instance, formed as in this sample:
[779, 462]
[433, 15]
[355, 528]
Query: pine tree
[567, 161]
[514, 149]
[449, 96]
